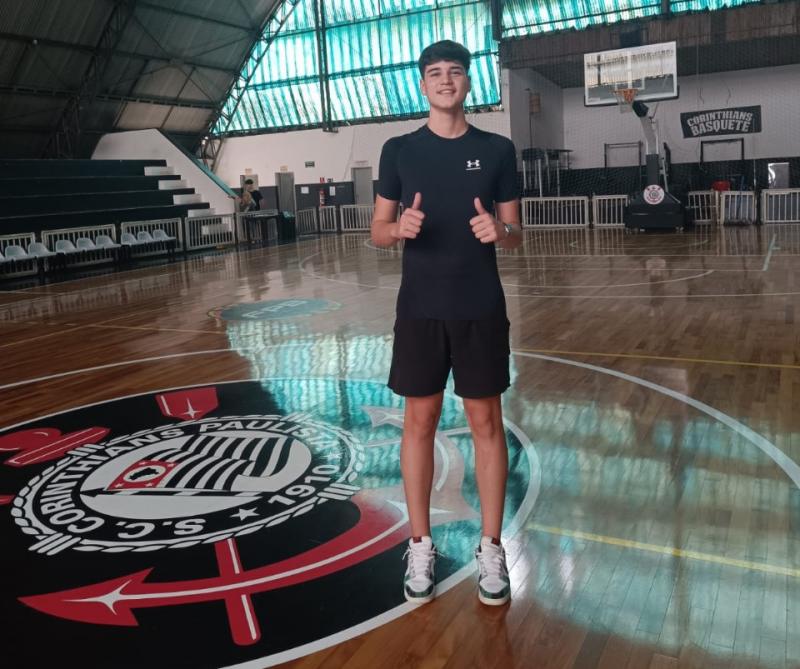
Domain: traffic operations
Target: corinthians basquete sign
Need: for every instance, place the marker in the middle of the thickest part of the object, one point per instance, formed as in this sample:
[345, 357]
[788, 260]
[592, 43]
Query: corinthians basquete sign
[733, 121]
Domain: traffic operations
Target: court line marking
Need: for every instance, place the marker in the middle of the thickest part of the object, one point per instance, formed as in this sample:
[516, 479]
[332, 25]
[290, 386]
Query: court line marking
[511, 254]
[45, 336]
[574, 243]
[303, 270]
[618, 269]
[615, 285]
[769, 253]
[123, 363]
[29, 291]
[709, 361]
[666, 550]
[789, 466]
[650, 297]
[153, 329]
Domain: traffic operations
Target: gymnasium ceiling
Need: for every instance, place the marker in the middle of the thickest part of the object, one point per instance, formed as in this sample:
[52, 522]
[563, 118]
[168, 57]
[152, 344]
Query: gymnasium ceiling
[171, 64]
[134, 64]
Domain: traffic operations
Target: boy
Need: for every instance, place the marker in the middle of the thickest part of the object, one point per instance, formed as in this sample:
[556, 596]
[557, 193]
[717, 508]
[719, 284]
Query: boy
[451, 307]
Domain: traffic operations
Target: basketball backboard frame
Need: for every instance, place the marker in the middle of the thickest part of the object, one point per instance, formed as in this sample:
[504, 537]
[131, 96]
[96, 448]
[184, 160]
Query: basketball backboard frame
[650, 69]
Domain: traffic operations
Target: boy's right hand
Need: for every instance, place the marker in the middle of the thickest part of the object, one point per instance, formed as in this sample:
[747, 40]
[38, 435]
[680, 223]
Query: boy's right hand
[410, 221]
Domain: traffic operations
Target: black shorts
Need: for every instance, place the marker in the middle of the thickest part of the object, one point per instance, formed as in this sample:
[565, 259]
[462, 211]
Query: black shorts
[426, 349]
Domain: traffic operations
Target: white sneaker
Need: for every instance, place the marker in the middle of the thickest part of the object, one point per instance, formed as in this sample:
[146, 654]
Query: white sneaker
[419, 586]
[494, 586]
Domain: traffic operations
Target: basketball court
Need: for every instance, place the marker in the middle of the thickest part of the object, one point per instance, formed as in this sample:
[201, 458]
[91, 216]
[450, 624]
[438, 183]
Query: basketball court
[653, 488]
[200, 455]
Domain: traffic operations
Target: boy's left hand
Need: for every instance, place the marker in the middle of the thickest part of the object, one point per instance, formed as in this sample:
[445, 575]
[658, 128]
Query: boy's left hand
[485, 226]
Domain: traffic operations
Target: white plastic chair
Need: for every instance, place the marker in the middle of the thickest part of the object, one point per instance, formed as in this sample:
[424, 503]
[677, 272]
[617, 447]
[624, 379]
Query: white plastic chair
[39, 250]
[144, 237]
[65, 247]
[160, 236]
[128, 239]
[85, 244]
[105, 242]
[15, 253]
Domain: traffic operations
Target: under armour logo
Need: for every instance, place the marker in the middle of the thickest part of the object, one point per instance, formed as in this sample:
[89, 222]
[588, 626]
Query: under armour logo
[473, 164]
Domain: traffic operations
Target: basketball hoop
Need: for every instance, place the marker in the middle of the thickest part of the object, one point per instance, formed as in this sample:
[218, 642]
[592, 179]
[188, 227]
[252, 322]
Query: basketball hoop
[625, 98]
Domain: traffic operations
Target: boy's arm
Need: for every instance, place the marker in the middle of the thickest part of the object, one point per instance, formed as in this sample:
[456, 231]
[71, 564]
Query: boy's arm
[386, 230]
[384, 222]
[508, 212]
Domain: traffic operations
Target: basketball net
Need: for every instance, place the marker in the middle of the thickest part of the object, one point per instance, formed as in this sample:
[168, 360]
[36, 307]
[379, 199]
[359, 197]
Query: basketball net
[625, 98]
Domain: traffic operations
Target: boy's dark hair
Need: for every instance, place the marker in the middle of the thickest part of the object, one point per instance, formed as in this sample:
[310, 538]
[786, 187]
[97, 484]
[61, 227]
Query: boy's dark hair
[248, 182]
[444, 50]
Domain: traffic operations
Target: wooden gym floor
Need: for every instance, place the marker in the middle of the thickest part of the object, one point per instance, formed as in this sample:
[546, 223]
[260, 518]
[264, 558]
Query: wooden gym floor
[656, 377]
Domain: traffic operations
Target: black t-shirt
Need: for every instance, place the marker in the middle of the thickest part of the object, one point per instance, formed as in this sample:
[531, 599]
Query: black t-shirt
[447, 272]
[257, 197]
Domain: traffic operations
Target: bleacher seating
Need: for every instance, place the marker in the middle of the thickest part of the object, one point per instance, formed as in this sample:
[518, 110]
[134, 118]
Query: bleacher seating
[37, 195]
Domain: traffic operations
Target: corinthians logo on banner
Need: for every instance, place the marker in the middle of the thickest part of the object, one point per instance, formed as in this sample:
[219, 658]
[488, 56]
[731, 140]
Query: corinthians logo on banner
[235, 522]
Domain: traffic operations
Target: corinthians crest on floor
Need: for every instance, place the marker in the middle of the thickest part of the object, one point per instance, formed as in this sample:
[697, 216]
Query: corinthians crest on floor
[258, 502]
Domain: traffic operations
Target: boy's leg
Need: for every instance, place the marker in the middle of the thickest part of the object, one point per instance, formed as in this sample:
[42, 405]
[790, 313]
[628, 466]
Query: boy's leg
[485, 417]
[416, 458]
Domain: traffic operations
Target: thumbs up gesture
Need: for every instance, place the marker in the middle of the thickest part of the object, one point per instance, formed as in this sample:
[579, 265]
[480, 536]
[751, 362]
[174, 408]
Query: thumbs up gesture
[410, 221]
[485, 226]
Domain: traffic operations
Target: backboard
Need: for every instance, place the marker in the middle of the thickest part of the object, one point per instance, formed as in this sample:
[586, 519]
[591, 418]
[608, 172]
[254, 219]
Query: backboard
[651, 70]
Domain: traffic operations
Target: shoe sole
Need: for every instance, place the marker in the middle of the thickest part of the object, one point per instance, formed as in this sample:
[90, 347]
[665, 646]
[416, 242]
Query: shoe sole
[419, 600]
[493, 602]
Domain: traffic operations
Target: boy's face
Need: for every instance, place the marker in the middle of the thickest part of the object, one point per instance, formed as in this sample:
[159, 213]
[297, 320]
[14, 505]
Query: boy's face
[445, 84]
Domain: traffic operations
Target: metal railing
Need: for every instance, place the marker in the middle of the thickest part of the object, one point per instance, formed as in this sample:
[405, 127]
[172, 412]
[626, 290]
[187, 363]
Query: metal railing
[609, 210]
[356, 217]
[780, 205]
[737, 206]
[328, 221]
[94, 257]
[50, 237]
[704, 206]
[307, 223]
[257, 226]
[172, 227]
[555, 212]
[203, 232]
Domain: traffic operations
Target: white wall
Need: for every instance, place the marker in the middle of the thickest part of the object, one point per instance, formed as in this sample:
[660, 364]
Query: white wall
[542, 129]
[776, 89]
[334, 154]
[151, 144]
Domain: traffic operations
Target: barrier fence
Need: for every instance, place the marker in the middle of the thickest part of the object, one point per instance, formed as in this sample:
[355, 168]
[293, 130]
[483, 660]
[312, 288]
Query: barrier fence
[165, 229]
[257, 226]
[555, 212]
[780, 206]
[609, 210]
[328, 220]
[204, 232]
[356, 217]
[307, 223]
[737, 206]
[704, 206]
[83, 253]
